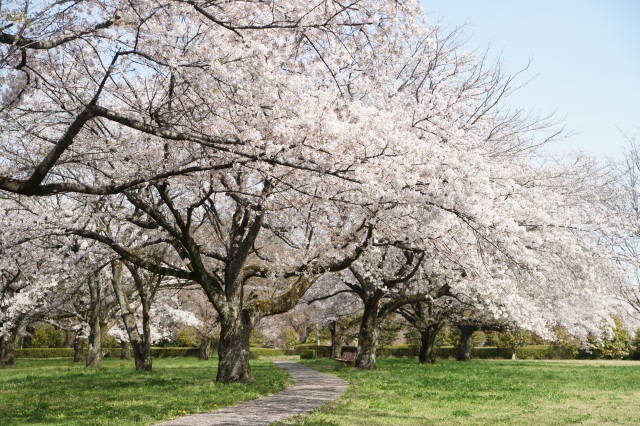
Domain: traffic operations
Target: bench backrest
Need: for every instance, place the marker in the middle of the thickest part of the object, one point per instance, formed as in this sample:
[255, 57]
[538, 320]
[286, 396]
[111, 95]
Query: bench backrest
[349, 356]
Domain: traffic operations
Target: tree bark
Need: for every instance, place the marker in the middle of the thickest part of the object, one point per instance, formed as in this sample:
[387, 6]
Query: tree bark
[78, 343]
[205, 344]
[141, 345]
[68, 338]
[7, 350]
[428, 348]
[368, 336]
[466, 344]
[233, 349]
[336, 344]
[143, 353]
[94, 352]
[125, 353]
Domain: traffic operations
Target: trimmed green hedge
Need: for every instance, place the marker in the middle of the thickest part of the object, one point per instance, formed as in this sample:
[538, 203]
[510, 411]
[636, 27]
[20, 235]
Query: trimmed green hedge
[402, 351]
[174, 352]
[405, 351]
[321, 351]
[108, 352]
[255, 353]
[398, 352]
[527, 352]
[44, 353]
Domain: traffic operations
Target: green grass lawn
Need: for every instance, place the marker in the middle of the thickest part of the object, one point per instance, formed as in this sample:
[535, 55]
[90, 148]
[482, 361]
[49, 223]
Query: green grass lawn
[59, 392]
[483, 392]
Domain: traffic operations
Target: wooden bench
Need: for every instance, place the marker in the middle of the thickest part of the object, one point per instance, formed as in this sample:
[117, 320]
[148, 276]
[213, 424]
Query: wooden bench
[347, 358]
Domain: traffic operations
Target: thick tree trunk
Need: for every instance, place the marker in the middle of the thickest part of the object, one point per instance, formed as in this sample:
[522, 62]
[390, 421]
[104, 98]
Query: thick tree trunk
[466, 344]
[368, 336]
[203, 352]
[142, 355]
[428, 344]
[78, 343]
[94, 352]
[233, 349]
[7, 351]
[125, 353]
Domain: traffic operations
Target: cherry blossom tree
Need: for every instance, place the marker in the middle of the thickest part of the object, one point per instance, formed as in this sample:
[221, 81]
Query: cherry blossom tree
[337, 308]
[103, 95]
[224, 243]
[427, 317]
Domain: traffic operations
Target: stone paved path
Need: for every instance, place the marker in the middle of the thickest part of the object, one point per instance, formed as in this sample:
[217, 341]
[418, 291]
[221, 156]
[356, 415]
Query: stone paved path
[311, 390]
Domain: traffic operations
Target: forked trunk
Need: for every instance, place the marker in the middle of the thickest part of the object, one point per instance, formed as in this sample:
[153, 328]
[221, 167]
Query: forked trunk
[368, 336]
[233, 349]
[428, 344]
[466, 343]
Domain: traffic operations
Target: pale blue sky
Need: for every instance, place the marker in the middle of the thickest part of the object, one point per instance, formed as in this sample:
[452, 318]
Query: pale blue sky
[586, 54]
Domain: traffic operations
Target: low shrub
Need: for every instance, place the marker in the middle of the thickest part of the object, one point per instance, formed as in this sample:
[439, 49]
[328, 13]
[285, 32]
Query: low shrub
[47, 336]
[308, 354]
[634, 353]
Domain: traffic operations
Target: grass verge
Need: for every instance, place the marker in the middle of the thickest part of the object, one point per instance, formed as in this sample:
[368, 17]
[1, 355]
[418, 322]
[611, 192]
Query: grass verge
[483, 392]
[59, 392]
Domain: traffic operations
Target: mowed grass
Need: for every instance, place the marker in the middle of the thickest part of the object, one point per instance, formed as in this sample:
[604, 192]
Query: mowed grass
[483, 392]
[59, 392]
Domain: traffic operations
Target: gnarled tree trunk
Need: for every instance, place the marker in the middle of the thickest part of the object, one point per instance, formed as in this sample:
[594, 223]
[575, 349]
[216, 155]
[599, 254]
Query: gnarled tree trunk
[233, 349]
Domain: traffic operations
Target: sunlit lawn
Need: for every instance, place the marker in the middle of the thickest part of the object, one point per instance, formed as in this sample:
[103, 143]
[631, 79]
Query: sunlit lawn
[402, 392]
[59, 392]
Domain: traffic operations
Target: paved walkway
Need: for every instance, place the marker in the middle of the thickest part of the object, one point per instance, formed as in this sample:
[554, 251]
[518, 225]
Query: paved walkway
[311, 390]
